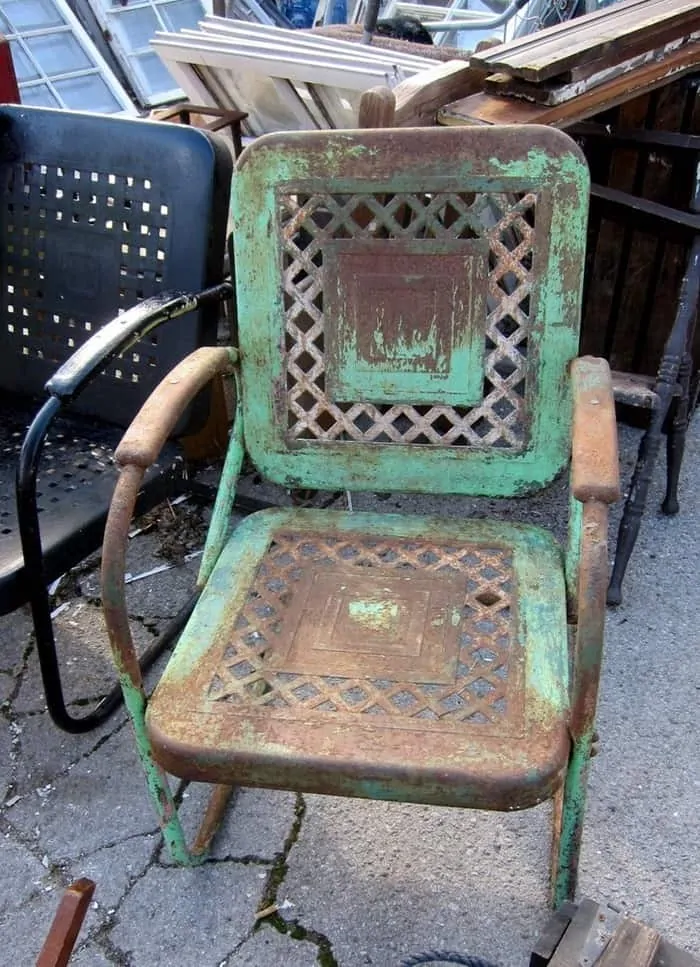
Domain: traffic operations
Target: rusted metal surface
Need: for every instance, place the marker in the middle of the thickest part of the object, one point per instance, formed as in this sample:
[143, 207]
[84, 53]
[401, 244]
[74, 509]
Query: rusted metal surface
[411, 662]
[450, 281]
[219, 799]
[595, 465]
[141, 445]
[158, 417]
[592, 584]
[66, 924]
[380, 628]
[401, 327]
[588, 655]
[362, 271]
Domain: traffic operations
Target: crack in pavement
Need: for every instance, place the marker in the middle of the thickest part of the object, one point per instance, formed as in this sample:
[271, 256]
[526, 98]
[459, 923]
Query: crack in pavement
[292, 927]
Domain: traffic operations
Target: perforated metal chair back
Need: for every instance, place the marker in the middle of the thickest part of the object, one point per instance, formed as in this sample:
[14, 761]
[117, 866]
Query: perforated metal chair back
[97, 214]
[389, 303]
[108, 229]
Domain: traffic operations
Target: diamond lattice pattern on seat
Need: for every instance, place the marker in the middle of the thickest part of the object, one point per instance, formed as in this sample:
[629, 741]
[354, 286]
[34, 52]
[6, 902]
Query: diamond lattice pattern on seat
[376, 627]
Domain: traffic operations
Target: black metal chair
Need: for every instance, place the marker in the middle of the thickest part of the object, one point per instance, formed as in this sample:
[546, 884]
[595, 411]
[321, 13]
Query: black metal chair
[100, 218]
[669, 396]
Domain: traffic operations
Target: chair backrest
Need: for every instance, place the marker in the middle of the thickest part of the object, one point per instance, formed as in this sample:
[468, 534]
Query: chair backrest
[97, 213]
[408, 305]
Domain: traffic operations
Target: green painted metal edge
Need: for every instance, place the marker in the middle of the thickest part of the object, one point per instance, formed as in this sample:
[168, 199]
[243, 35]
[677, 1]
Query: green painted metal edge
[537, 561]
[335, 165]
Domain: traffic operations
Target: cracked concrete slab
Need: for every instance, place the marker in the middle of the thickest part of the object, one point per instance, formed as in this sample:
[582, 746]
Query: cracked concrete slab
[113, 869]
[46, 752]
[90, 955]
[7, 755]
[383, 880]
[367, 883]
[23, 930]
[16, 631]
[101, 800]
[269, 948]
[196, 916]
[87, 670]
[27, 902]
[256, 824]
[7, 686]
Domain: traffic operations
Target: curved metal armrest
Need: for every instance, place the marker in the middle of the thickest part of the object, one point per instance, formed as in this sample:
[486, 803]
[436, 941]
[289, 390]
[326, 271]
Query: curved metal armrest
[121, 333]
[595, 483]
[591, 587]
[595, 467]
[138, 449]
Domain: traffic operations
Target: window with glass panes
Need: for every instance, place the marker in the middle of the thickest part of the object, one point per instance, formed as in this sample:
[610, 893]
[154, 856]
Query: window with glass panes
[56, 63]
[130, 28]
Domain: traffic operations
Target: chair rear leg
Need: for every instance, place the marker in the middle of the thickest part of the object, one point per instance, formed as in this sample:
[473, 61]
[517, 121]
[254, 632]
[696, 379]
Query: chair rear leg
[675, 442]
[569, 809]
[219, 799]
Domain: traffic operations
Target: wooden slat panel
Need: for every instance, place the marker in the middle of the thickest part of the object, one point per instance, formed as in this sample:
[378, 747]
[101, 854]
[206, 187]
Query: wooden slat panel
[568, 952]
[559, 90]
[490, 109]
[556, 49]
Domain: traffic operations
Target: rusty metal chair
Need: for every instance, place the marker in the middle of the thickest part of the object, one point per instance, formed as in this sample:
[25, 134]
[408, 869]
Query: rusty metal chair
[402, 327]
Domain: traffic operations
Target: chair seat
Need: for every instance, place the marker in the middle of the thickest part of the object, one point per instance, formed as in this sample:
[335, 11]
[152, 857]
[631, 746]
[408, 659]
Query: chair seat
[74, 488]
[373, 655]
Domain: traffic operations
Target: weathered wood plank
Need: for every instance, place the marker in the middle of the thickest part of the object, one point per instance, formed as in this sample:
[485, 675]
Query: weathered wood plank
[633, 944]
[557, 91]
[490, 109]
[377, 108]
[571, 945]
[419, 98]
[557, 49]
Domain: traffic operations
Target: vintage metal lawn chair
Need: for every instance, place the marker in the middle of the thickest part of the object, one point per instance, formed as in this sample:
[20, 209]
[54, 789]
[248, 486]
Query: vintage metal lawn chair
[408, 320]
[98, 216]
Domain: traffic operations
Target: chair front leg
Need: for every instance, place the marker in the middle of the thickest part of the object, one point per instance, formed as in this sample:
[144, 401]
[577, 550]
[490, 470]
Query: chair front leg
[570, 804]
[139, 448]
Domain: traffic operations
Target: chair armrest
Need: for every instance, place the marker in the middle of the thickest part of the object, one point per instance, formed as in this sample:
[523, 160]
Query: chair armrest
[139, 448]
[121, 333]
[158, 416]
[595, 468]
[589, 619]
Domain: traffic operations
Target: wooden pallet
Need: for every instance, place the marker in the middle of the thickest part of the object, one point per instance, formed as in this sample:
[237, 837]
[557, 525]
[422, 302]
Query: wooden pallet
[594, 935]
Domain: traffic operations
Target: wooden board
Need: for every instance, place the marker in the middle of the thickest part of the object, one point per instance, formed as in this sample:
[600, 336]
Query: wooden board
[419, 98]
[606, 33]
[556, 91]
[353, 34]
[490, 109]
[633, 945]
[593, 933]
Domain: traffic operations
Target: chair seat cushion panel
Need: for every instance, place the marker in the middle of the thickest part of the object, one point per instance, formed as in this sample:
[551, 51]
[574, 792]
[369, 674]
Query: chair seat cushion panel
[372, 655]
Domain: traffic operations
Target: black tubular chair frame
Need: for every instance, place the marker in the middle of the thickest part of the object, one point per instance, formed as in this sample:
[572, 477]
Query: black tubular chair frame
[70, 379]
[101, 218]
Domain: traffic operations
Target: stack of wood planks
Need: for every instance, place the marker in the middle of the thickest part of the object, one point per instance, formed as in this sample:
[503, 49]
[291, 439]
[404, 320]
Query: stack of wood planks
[578, 68]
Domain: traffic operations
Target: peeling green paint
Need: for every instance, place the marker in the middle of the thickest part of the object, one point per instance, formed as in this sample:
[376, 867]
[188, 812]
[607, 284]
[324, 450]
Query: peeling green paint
[374, 613]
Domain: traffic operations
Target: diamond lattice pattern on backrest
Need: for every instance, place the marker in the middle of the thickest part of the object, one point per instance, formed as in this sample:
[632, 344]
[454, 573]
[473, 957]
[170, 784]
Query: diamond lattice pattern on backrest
[506, 223]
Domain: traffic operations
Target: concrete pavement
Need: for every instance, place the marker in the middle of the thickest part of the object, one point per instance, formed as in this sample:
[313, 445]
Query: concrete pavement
[355, 883]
